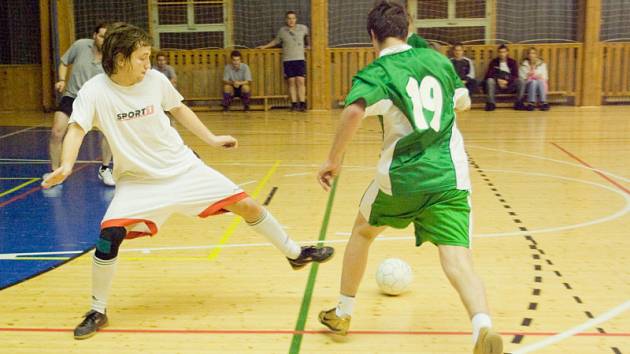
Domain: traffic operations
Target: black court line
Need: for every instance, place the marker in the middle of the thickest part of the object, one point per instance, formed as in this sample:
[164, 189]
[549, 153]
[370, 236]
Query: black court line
[536, 255]
[270, 196]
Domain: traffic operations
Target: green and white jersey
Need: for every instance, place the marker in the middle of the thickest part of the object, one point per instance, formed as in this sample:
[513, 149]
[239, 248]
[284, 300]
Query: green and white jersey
[414, 91]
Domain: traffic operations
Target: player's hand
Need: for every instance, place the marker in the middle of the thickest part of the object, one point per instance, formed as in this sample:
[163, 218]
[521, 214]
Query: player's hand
[60, 86]
[327, 173]
[225, 142]
[56, 177]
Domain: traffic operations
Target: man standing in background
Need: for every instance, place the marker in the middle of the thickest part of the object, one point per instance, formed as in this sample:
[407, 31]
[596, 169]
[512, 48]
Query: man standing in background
[294, 39]
[85, 57]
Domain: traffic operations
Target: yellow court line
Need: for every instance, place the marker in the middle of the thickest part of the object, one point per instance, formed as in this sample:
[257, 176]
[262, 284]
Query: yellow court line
[166, 259]
[230, 230]
[14, 178]
[19, 187]
[215, 252]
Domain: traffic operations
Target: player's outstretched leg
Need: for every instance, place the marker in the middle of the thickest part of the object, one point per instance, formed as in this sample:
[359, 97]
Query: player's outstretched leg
[457, 265]
[265, 224]
[355, 258]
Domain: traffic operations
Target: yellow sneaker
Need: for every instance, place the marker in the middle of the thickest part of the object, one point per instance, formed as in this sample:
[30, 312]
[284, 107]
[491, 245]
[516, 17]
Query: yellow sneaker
[337, 324]
[488, 342]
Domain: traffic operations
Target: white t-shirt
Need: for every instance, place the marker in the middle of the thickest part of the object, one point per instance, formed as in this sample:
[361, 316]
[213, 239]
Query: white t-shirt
[503, 66]
[143, 143]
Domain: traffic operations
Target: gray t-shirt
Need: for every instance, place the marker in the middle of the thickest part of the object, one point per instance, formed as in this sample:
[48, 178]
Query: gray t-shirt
[84, 65]
[292, 42]
[168, 71]
[242, 74]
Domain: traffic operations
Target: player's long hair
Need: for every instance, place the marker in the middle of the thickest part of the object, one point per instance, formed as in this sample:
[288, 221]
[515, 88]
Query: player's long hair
[539, 60]
[122, 39]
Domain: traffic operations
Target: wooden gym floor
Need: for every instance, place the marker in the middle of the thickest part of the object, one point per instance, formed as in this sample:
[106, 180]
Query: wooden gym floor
[551, 195]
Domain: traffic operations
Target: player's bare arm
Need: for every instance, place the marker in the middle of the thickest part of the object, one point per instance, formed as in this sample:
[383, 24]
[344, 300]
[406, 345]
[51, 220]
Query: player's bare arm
[350, 122]
[61, 83]
[271, 44]
[70, 151]
[462, 100]
[189, 119]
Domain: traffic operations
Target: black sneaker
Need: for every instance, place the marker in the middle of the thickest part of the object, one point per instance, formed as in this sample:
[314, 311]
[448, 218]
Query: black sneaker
[93, 321]
[544, 106]
[519, 106]
[530, 106]
[294, 106]
[312, 254]
[246, 108]
[302, 106]
[225, 108]
[490, 107]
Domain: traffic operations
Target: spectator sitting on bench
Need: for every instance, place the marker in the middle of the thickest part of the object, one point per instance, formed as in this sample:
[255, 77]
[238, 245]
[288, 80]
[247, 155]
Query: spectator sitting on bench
[162, 66]
[464, 68]
[533, 72]
[236, 80]
[502, 77]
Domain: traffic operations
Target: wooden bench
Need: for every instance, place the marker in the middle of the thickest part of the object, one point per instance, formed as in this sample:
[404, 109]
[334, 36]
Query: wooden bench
[263, 102]
[564, 64]
[506, 100]
[503, 100]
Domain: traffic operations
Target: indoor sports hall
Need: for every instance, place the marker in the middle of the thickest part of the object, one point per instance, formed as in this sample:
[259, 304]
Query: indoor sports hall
[550, 181]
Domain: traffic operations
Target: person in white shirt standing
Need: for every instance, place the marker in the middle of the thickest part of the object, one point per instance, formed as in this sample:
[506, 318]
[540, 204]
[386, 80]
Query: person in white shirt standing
[156, 173]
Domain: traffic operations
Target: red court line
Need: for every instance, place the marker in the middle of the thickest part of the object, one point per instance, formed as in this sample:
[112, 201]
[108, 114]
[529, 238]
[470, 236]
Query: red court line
[613, 182]
[272, 331]
[20, 196]
[35, 189]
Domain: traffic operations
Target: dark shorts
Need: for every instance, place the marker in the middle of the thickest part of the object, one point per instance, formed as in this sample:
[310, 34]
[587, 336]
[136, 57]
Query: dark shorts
[65, 105]
[237, 91]
[293, 68]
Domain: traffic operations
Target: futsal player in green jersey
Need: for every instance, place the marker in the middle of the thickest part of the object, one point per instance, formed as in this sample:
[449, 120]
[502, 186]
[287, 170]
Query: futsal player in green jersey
[422, 175]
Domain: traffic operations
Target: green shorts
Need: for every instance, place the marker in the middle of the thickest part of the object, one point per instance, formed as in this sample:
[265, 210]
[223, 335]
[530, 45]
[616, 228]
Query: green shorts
[442, 218]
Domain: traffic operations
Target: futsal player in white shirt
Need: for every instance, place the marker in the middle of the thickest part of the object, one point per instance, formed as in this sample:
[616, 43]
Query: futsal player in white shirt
[156, 173]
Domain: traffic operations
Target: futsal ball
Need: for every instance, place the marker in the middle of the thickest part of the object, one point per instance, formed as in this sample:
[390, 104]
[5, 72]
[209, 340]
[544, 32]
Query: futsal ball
[394, 276]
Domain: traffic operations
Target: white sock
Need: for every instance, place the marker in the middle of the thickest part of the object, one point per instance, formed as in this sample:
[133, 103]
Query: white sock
[102, 275]
[345, 306]
[269, 227]
[480, 321]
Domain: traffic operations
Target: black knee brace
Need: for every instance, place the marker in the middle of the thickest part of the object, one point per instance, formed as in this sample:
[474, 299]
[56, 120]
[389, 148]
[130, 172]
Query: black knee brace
[109, 241]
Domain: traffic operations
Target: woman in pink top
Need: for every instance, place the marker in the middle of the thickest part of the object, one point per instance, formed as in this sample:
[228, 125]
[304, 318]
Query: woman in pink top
[533, 72]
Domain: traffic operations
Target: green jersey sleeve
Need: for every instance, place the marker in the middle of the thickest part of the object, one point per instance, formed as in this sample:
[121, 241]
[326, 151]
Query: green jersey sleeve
[417, 42]
[367, 85]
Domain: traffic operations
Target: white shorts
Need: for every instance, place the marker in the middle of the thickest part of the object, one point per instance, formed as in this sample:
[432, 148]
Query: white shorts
[142, 206]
